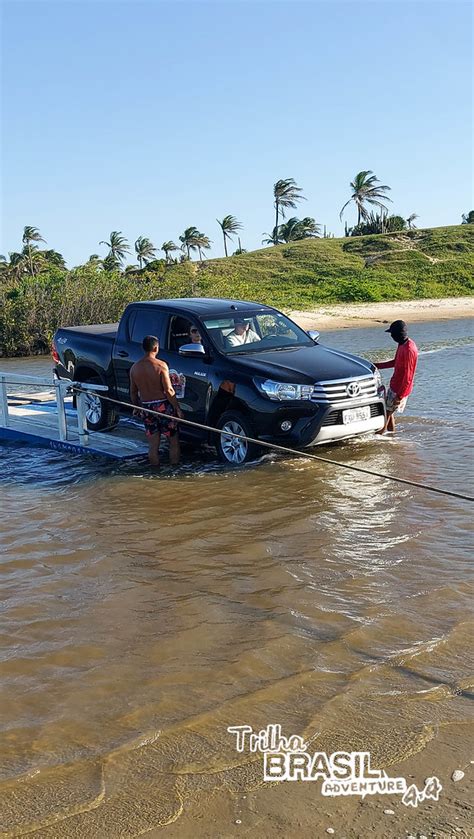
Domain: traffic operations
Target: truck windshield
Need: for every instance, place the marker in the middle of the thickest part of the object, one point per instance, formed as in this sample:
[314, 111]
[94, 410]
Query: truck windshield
[255, 333]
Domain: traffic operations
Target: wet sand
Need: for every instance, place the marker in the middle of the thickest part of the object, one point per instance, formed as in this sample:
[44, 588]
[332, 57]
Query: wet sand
[299, 810]
[352, 315]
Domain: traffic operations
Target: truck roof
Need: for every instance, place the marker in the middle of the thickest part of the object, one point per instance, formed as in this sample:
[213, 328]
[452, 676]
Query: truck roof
[208, 305]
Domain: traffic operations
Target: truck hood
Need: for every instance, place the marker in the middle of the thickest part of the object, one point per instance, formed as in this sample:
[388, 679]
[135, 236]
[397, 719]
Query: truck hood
[304, 365]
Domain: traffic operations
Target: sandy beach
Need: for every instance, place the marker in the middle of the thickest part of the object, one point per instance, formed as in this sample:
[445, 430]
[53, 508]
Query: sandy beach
[345, 315]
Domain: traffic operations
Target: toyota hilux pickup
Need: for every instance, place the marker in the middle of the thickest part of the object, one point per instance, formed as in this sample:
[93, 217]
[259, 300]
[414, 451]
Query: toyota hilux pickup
[237, 366]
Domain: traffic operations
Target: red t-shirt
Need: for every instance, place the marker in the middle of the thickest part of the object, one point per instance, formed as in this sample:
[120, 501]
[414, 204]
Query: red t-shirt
[405, 365]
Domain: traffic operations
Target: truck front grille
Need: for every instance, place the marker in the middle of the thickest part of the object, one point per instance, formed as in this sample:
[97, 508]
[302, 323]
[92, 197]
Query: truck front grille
[335, 417]
[345, 390]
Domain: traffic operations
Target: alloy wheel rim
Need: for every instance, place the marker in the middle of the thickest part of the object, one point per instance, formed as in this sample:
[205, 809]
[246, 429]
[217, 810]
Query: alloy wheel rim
[234, 449]
[93, 408]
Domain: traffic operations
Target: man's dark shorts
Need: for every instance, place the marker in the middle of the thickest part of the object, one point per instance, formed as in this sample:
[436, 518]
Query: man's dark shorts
[153, 425]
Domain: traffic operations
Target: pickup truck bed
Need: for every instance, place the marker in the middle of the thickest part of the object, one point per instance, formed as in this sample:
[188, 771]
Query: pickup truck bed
[106, 330]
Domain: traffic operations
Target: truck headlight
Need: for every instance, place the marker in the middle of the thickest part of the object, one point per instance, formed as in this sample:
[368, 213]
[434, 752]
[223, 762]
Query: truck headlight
[378, 383]
[282, 391]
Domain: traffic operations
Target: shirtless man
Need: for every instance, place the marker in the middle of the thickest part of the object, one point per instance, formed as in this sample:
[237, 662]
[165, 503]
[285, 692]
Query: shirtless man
[150, 387]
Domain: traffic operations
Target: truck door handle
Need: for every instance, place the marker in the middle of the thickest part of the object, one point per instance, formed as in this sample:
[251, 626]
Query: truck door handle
[123, 354]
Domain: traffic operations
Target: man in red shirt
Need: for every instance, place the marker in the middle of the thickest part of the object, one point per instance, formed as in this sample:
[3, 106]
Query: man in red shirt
[401, 383]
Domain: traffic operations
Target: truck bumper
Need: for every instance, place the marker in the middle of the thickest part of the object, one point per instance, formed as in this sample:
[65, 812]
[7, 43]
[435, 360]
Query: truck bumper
[329, 433]
[323, 425]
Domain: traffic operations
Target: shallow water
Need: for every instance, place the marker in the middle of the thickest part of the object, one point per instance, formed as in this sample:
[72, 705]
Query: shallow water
[141, 614]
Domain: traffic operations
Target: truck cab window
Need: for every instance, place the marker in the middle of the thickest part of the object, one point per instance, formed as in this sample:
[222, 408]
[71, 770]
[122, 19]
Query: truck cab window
[180, 332]
[145, 322]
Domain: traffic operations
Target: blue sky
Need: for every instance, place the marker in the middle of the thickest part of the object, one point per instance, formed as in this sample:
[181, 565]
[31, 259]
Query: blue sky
[148, 117]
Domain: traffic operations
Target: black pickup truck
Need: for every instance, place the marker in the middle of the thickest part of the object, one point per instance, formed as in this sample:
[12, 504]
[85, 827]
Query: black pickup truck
[238, 366]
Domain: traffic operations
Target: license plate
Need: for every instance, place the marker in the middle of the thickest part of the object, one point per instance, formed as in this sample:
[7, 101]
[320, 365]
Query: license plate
[356, 415]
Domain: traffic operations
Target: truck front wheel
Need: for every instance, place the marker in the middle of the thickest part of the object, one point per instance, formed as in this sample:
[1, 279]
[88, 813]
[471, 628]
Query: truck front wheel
[232, 449]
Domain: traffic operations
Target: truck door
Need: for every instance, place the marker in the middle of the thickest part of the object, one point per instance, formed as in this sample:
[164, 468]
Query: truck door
[190, 376]
[137, 322]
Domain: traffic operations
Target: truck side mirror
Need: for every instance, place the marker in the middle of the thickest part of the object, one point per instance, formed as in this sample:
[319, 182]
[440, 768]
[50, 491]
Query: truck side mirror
[192, 350]
[314, 335]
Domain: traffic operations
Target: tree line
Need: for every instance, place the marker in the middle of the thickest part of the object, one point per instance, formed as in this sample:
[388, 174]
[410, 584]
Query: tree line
[366, 193]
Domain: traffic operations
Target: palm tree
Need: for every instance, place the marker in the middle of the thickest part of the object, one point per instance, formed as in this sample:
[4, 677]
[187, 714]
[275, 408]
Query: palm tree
[144, 250]
[188, 240]
[228, 225]
[272, 238]
[54, 258]
[18, 263]
[31, 234]
[202, 243]
[296, 229]
[95, 261]
[310, 229]
[286, 194]
[33, 259]
[366, 189]
[168, 247]
[468, 218]
[410, 221]
[118, 248]
[111, 262]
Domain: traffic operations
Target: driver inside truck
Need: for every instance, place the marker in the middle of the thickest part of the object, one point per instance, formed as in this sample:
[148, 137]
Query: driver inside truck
[241, 334]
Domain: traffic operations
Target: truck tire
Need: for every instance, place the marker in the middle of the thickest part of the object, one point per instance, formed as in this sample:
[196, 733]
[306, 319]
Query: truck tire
[233, 450]
[101, 415]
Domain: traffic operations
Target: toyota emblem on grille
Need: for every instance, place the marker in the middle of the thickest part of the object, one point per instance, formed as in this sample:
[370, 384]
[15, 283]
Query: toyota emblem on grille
[353, 389]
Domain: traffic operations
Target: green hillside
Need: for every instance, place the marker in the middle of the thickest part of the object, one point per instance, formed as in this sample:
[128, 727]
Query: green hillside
[413, 264]
[396, 266]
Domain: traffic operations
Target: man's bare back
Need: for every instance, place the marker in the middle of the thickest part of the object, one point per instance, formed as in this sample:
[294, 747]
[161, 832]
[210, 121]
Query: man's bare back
[150, 387]
[150, 380]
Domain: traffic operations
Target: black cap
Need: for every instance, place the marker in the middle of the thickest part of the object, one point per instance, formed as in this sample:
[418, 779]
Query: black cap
[399, 328]
[240, 320]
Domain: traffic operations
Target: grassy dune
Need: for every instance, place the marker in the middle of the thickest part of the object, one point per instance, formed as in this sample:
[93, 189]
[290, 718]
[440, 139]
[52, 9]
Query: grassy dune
[397, 266]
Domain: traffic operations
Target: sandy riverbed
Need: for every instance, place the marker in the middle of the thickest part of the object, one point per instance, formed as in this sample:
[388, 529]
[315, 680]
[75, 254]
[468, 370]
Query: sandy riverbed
[342, 315]
[250, 808]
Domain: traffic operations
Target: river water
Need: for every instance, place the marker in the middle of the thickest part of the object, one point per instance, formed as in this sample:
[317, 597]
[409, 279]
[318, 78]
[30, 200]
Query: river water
[142, 614]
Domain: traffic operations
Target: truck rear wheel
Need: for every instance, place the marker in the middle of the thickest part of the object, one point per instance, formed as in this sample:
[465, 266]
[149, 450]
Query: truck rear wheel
[100, 414]
[232, 449]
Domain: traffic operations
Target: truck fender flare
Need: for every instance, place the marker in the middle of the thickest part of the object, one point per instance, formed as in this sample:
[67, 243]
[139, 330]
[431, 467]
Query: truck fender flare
[225, 401]
[86, 372]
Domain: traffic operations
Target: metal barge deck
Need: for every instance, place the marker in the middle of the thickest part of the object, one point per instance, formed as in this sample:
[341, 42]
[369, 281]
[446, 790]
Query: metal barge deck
[49, 420]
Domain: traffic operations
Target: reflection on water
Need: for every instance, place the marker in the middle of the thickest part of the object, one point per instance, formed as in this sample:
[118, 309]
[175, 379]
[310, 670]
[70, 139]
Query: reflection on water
[142, 615]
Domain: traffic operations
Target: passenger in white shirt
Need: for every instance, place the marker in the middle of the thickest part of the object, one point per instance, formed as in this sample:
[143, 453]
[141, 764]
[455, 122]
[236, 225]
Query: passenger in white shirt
[241, 334]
